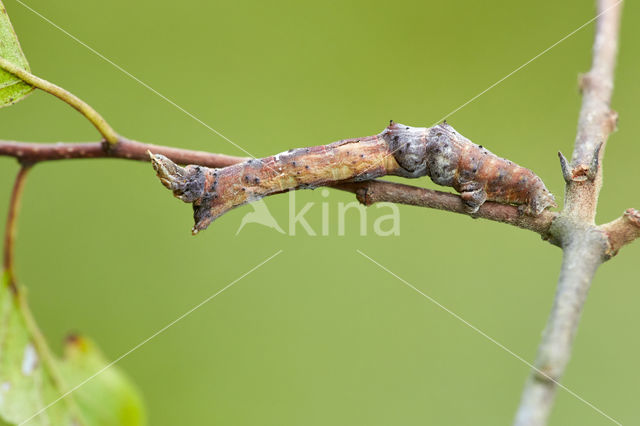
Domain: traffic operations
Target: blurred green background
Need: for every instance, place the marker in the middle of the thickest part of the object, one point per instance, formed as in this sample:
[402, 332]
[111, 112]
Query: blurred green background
[319, 335]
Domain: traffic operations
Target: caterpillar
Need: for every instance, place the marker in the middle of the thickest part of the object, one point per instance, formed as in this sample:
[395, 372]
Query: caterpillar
[450, 159]
[439, 152]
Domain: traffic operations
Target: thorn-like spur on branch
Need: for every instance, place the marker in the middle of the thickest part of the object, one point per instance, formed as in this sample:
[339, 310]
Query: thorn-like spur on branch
[566, 169]
[622, 231]
[581, 172]
[438, 152]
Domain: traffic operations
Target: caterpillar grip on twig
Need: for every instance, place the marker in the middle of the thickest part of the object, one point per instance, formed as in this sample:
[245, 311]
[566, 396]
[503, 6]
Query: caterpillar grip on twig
[439, 152]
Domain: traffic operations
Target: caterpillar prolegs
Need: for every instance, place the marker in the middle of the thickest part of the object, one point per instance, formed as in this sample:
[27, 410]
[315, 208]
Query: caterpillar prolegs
[439, 152]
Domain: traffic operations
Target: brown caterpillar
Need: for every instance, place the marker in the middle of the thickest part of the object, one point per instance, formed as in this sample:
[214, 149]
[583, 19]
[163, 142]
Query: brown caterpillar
[439, 152]
[476, 173]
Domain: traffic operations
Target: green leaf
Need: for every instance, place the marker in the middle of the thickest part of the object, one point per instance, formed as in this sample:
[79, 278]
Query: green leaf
[12, 89]
[31, 378]
[107, 399]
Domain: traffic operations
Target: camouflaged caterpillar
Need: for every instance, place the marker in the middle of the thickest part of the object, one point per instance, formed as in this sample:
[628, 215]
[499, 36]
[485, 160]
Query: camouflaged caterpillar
[440, 152]
[450, 159]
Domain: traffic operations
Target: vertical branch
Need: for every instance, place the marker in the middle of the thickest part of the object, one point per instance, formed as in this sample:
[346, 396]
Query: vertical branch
[596, 120]
[11, 228]
[585, 247]
[583, 252]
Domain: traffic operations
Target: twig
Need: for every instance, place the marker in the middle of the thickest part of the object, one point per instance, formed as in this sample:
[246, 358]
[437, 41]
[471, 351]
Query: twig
[125, 149]
[85, 109]
[585, 246]
[12, 228]
[375, 191]
[622, 231]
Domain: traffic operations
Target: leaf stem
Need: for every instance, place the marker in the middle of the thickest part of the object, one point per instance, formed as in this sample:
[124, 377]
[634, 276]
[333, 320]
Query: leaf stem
[84, 108]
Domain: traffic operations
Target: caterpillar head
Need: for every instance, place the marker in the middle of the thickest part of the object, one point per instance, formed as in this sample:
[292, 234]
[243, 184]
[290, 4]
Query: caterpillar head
[187, 183]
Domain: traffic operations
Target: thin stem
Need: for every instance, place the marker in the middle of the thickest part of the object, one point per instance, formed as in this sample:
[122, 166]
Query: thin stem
[125, 149]
[85, 109]
[622, 231]
[375, 191]
[12, 227]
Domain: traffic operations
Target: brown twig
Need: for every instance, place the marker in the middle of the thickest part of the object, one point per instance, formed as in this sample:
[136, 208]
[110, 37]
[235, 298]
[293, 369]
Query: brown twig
[622, 231]
[12, 228]
[585, 246]
[371, 192]
[125, 149]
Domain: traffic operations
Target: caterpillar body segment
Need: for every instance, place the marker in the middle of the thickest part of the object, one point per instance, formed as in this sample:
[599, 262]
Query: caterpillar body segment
[479, 175]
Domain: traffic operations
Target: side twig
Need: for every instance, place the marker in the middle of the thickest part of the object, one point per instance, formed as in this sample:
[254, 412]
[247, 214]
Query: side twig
[622, 231]
[375, 191]
[12, 228]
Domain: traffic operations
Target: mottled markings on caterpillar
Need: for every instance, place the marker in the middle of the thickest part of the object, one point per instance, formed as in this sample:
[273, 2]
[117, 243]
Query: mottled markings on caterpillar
[479, 175]
[439, 152]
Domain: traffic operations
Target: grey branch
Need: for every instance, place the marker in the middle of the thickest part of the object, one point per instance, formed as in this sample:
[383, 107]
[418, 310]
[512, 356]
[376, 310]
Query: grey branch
[585, 246]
